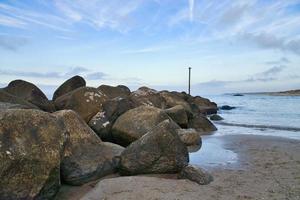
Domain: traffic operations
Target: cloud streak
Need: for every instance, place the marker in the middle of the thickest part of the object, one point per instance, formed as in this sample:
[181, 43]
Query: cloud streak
[12, 43]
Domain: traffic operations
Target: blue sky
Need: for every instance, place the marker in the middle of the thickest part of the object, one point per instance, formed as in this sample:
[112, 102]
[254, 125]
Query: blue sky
[231, 45]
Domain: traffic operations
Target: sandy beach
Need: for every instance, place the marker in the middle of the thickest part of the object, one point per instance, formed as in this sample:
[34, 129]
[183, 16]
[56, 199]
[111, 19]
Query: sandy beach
[268, 168]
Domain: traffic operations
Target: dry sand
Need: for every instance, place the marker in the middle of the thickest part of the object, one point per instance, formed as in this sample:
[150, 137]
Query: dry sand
[268, 168]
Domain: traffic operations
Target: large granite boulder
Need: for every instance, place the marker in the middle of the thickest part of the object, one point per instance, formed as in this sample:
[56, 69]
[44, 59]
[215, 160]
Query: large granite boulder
[136, 122]
[30, 93]
[31, 145]
[113, 92]
[86, 157]
[190, 136]
[9, 98]
[202, 105]
[86, 101]
[103, 121]
[68, 86]
[158, 151]
[147, 97]
[201, 124]
[178, 114]
[195, 174]
[175, 98]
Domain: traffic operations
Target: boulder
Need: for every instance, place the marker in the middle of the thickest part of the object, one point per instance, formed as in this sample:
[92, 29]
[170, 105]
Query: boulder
[103, 121]
[147, 188]
[136, 122]
[86, 101]
[216, 117]
[147, 97]
[195, 174]
[158, 151]
[178, 115]
[201, 124]
[113, 92]
[31, 145]
[9, 98]
[68, 86]
[189, 136]
[30, 93]
[86, 157]
[175, 98]
[5, 106]
[202, 105]
[227, 107]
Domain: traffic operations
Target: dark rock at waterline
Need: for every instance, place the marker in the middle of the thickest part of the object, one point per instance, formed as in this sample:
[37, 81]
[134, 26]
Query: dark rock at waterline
[202, 105]
[227, 107]
[216, 117]
[145, 96]
[85, 157]
[201, 124]
[103, 121]
[195, 174]
[190, 136]
[68, 86]
[31, 144]
[30, 93]
[86, 101]
[158, 151]
[113, 92]
[136, 122]
[178, 115]
[238, 95]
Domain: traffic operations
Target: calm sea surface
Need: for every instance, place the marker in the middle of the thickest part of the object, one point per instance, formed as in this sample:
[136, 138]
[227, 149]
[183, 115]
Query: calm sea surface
[254, 114]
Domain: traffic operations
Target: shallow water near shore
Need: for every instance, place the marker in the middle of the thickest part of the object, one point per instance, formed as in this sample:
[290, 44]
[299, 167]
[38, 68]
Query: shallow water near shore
[255, 115]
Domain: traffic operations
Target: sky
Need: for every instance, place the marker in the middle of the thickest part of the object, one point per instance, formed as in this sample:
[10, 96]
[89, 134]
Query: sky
[231, 45]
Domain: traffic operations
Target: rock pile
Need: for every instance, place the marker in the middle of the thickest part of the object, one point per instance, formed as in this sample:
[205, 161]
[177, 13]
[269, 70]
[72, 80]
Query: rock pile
[74, 138]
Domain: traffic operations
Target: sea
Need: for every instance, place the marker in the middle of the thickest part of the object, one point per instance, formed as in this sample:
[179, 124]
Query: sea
[255, 114]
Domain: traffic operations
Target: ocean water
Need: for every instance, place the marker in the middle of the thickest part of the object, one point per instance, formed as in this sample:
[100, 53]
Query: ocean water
[255, 115]
[259, 115]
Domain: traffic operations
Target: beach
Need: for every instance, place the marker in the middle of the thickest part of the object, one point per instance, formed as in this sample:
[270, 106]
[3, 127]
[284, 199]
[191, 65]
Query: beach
[267, 168]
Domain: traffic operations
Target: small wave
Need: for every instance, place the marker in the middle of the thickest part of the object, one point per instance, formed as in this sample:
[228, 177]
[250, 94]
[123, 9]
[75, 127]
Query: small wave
[284, 128]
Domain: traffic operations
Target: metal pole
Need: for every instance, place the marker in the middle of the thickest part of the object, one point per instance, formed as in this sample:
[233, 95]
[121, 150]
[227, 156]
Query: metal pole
[190, 80]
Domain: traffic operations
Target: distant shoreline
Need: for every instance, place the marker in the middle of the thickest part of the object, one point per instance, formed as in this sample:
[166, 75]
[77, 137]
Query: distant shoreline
[282, 93]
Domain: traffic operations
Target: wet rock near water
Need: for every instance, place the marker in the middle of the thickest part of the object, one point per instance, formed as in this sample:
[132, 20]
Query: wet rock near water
[195, 174]
[216, 117]
[189, 136]
[227, 107]
[158, 151]
[85, 157]
[136, 122]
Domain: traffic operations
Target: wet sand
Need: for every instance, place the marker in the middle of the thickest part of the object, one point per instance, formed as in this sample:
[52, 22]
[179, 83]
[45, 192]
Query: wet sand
[266, 168]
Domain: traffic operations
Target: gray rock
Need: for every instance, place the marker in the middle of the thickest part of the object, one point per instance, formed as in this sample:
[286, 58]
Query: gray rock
[86, 157]
[216, 117]
[103, 121]
[5, 97]
[178, 115]
[190, 136]
[68, 86]
[31, 145]
[158, 151]
[113, 92]
[202, 124]
[136, 122]
[30, 93]
[86, 101]
[145, 96]
[195, 174]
